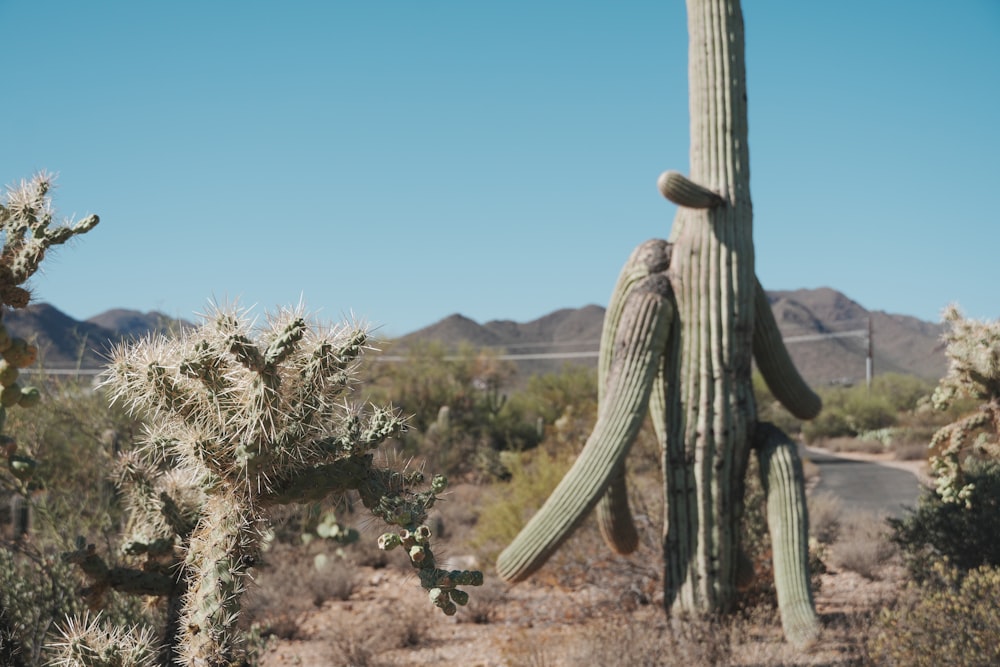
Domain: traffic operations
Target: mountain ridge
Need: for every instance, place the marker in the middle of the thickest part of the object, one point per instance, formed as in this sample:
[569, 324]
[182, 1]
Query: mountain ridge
[825, 330]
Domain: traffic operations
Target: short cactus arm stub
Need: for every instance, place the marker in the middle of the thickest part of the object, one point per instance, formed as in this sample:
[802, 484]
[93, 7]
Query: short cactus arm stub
[645, 326]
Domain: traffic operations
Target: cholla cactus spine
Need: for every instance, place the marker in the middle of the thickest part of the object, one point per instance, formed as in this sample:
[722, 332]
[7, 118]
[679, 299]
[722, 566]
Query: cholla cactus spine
[89, 642]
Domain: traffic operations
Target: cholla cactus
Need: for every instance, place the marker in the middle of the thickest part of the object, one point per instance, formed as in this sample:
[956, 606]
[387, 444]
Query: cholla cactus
[26, 230]
[685, 322]
[26, 224]
[973, 349]
[243, 418]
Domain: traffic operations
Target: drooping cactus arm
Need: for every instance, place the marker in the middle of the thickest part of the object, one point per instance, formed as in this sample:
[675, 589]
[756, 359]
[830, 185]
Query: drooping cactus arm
[776, 365]
[614, 519]
[643, 331]
[788, 523]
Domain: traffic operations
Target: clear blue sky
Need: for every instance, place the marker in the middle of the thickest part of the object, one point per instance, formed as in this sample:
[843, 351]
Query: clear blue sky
[406, 160]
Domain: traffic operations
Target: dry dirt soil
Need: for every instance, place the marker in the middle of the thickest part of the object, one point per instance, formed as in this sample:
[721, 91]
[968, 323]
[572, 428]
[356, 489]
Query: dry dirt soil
[585, 607]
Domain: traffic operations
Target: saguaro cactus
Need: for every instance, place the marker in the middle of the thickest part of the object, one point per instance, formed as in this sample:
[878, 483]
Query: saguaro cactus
[685, 320]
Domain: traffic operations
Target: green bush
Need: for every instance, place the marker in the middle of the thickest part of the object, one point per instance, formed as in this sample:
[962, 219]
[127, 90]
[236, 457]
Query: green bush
[952, 621]
[966, 534]
[458, 411]
[72, 435]
[508, 505]
[848, 411]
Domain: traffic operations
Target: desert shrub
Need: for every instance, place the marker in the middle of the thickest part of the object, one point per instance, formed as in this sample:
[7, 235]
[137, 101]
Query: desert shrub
[966, 534]
[825, 512]
[863, 545]
[457, 407]
[850, 411]
[950, 620]
[71, 435]
[901, 393]
[549, 396]
[688, 641]
[507, 506]
[851, 445]
[39, 592]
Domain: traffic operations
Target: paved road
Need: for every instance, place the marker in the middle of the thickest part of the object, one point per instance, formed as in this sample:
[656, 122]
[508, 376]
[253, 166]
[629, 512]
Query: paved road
[866, 486]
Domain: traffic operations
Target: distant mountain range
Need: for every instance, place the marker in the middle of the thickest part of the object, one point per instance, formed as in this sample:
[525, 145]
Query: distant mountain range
[65, 343]
[826, 333]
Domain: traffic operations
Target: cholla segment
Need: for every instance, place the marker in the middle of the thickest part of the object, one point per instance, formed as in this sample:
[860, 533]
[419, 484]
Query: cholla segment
[26, 218]
[88, 642]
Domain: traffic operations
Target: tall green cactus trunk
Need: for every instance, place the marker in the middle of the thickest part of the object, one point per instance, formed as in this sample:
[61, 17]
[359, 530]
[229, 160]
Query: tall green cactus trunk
[712, 271]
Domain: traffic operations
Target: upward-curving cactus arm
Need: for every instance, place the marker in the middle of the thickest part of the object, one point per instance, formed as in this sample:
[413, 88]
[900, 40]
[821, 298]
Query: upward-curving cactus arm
[643, 330]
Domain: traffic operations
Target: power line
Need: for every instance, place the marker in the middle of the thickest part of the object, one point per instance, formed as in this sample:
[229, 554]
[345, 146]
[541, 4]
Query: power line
[589, 354]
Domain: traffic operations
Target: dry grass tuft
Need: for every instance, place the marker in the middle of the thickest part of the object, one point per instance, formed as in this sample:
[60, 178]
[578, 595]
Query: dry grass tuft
[863, 545]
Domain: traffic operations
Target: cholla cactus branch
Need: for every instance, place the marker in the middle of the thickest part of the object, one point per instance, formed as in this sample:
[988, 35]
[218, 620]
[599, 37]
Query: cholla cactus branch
[88, 642]
[26, 218]
[973, 350]
[123, 579]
